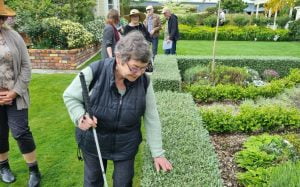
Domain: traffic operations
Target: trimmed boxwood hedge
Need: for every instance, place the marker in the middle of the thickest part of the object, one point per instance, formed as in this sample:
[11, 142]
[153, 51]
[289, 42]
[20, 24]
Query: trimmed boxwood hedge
[280, 64]
[166, 75]
[245, 33]
[187, 144]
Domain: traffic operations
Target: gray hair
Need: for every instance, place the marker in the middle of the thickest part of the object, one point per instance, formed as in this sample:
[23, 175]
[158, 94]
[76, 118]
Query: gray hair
[133, 47]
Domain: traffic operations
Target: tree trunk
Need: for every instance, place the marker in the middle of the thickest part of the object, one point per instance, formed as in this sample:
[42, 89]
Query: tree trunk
[270, 13]
[275, 17]
[291, 11]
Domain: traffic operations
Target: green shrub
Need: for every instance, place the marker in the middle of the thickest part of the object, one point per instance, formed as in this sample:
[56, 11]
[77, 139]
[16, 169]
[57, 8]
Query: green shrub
[195, 74]
[96, 27]
[230, 75]
[166, 75]
[285, 175]
[250, 118]
[212, 10]
[64, 34]
[228, 32]
[280, 64]
[265, 151]
[220, 92]
[188, 19]
[282, 21]
[210, 21]
[221, 75]
[261, 20]
[262, 152]
[241, 20]
[294, 28]
[187, 143]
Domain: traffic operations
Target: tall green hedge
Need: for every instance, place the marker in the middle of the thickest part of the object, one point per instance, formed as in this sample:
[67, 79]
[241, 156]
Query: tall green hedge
[281, 64]
[187, 144]
[166, 75]
[245, 33]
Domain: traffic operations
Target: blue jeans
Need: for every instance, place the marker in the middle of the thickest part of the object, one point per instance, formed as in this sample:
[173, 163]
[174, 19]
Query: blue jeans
[154, 46]
[171, 51]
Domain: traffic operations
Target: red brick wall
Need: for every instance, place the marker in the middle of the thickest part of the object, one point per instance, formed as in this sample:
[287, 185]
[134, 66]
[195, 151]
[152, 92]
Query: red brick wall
[61, 59]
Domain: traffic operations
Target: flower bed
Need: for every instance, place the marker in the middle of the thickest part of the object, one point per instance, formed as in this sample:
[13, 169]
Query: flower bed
[61, 59]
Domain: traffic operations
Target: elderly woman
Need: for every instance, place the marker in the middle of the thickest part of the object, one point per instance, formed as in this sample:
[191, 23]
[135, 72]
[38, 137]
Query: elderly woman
[120, 95]
[15, 71]
[110, 34]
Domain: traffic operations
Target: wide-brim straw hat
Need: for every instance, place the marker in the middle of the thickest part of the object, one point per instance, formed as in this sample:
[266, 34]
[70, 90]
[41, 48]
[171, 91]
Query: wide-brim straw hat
[135, 12]
[5, 11]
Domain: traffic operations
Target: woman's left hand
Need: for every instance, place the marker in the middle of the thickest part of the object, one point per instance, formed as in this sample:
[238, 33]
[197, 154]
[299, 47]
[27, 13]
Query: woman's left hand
[162, 163]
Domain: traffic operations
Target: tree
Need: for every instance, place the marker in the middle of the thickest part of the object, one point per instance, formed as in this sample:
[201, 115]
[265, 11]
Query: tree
[275, 6]
[75, 10]
[234, 6]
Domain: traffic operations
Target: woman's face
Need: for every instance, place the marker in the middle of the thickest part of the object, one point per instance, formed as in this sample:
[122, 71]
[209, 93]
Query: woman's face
[131, 70]
[2, 20]
[134, 19]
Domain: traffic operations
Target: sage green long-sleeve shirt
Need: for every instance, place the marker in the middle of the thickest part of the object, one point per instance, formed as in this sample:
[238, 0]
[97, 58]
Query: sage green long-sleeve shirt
[74, 103]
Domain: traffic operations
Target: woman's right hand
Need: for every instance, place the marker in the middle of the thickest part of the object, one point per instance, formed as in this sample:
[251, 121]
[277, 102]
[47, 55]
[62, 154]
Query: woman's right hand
[85, 122]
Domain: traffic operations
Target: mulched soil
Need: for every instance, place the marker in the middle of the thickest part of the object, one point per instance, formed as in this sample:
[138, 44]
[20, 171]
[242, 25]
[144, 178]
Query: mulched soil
[226, 145]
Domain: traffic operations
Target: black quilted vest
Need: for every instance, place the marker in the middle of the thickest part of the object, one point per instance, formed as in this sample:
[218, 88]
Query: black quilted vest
[119, 117]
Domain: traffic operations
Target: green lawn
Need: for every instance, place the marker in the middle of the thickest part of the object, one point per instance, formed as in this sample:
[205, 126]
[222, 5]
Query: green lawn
[230, 48]
[236, 48]
[54, 135]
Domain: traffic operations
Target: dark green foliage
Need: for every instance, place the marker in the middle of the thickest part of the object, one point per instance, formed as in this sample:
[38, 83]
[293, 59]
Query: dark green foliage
[210, 21]
[260, 20]
[241, 20]
[188, 19]
[229, 32]
[294, 28]
[212, 10]
[234, 6]
[187, 143]
[282, 21]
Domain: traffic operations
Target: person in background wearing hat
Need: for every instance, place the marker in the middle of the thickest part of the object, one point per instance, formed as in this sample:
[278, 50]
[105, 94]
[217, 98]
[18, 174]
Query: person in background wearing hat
[15, 74]
[135, 19]
[110, 34]
[171, 30]
[153, 25]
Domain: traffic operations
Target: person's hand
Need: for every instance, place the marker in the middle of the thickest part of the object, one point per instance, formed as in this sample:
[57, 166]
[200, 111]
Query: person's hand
[152, 32]
[7, 97]
[162, 163]
[85, 122]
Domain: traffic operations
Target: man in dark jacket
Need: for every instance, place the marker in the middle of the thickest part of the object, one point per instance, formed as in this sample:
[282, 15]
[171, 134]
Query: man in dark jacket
[171, 30]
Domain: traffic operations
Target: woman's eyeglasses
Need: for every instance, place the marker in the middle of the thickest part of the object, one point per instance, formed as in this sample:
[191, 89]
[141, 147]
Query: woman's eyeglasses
[136, 70]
